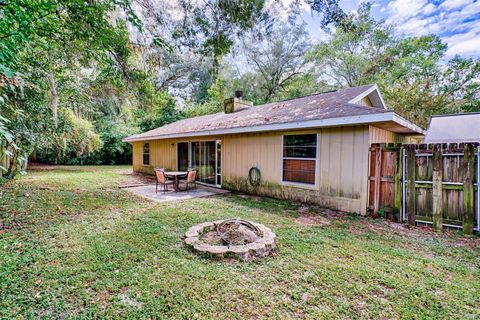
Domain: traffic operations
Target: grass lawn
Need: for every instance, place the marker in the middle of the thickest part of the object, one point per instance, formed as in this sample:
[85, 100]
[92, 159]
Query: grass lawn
[73, 245]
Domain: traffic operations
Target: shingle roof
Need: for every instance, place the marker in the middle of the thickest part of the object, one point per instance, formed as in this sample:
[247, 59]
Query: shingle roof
[319, 106]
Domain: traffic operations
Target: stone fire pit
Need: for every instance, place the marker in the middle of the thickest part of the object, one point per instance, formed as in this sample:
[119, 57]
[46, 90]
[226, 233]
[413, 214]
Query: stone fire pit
[231, 238]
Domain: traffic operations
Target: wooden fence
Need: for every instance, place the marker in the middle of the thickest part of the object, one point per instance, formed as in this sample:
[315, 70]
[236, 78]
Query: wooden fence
[428, 184]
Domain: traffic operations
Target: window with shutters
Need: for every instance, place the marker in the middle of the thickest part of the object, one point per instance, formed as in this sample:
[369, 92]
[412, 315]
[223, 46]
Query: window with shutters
[299, 158]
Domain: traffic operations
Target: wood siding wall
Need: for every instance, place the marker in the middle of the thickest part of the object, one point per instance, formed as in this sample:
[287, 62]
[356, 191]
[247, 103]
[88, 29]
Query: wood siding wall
[365, 102]
[379, 135]
[162, 154]
[342, 165]
[241, 152]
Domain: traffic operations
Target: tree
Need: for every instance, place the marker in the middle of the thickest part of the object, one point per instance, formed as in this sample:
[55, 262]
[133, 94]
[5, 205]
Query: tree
[211, 25]
[24, 22]
[161, 112]
[278, 56]
[411, 72]
[45, 46]
[461, 82]
[410, 79]
[355, 51]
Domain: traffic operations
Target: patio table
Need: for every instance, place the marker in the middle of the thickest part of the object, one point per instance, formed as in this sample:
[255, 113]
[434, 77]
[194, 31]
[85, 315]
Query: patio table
[175, 175]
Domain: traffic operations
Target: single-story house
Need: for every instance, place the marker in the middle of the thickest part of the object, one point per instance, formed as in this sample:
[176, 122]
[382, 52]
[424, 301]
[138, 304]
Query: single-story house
[454, 128]
[313, 149]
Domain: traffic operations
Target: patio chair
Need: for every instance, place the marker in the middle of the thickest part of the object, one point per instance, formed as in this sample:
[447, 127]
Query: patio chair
[190, 181]
[162, 180]
[164, 170]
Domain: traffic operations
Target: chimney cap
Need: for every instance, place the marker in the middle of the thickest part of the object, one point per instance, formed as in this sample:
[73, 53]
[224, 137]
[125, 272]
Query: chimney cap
[239, 94]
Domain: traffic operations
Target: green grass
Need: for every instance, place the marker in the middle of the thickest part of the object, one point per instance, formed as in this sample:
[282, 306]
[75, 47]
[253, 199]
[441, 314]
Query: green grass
[73, 245]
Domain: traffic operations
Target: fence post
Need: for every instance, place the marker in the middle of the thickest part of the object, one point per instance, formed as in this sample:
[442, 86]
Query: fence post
[468, 188]
[410, 149]
[378, 175]
[437, 191]
[397, 198]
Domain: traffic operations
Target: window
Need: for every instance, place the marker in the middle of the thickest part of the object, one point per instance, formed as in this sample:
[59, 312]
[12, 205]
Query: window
[299, 158]
[146, 154]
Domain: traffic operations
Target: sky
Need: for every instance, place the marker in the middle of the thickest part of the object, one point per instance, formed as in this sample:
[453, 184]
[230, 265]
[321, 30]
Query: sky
[456, 22]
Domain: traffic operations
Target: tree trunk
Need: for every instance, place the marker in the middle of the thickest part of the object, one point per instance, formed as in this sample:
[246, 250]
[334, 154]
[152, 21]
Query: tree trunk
[12, 168]
[53, 98]
[3, 162]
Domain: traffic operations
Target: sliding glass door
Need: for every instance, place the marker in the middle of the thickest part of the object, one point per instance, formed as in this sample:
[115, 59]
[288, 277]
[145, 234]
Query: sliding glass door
[205, 156]
[182, 156]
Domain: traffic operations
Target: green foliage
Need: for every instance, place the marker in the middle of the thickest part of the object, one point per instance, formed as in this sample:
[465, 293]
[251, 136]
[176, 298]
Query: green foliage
[210, 26]
[113, 150]
[162, 111]
[278, 56]
[75, 138]
[460, 80]
[301, 86]
[71, 23]
[354, 52]
[217, 93]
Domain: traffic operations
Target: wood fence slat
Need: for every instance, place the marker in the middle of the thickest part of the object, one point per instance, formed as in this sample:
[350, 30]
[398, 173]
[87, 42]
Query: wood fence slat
[468, 190]
[411, 184]
[437, 191]
[378, 170]
[397, 201]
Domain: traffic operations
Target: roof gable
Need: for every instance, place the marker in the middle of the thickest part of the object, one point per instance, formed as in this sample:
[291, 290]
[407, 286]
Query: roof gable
[374, 96]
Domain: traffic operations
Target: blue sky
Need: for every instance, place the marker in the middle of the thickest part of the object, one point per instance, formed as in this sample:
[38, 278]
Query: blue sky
[457, 22]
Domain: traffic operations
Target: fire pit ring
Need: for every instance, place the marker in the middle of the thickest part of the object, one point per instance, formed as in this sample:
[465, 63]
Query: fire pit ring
[231, 238]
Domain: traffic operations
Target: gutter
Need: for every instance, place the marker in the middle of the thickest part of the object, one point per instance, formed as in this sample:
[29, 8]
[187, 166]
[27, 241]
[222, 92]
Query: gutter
[309, 124]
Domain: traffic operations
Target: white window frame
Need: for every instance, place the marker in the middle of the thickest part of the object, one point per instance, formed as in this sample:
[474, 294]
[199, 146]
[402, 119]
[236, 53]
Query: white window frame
[313, 186]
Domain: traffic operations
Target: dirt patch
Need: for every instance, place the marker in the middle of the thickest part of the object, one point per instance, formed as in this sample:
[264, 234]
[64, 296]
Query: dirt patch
[311, 215]
[420, 233]
[305, 219]
[41, 166]
[130, 178]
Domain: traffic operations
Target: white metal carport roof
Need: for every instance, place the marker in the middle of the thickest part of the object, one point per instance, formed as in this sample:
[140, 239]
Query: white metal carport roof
[454, 128]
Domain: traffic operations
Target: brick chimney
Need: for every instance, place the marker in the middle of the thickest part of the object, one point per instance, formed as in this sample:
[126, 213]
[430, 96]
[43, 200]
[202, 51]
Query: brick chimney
[236, 103]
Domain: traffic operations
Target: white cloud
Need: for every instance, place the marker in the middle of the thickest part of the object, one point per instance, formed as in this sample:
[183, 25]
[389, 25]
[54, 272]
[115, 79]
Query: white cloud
[454, 4]
[429, 9]
[405, 9]
[282, 9]
[465, 44]
[450, 19]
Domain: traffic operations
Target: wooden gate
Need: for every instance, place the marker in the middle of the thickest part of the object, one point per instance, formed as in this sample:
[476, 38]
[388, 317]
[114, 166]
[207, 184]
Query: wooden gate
[385, 180]
[440, 185]
[429, 184]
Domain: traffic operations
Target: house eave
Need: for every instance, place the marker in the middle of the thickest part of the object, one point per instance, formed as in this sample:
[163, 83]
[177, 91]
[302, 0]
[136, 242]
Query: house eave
[308, 124]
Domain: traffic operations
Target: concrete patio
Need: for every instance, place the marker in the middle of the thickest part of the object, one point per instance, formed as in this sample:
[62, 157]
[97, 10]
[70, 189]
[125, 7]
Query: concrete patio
[148, 192]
